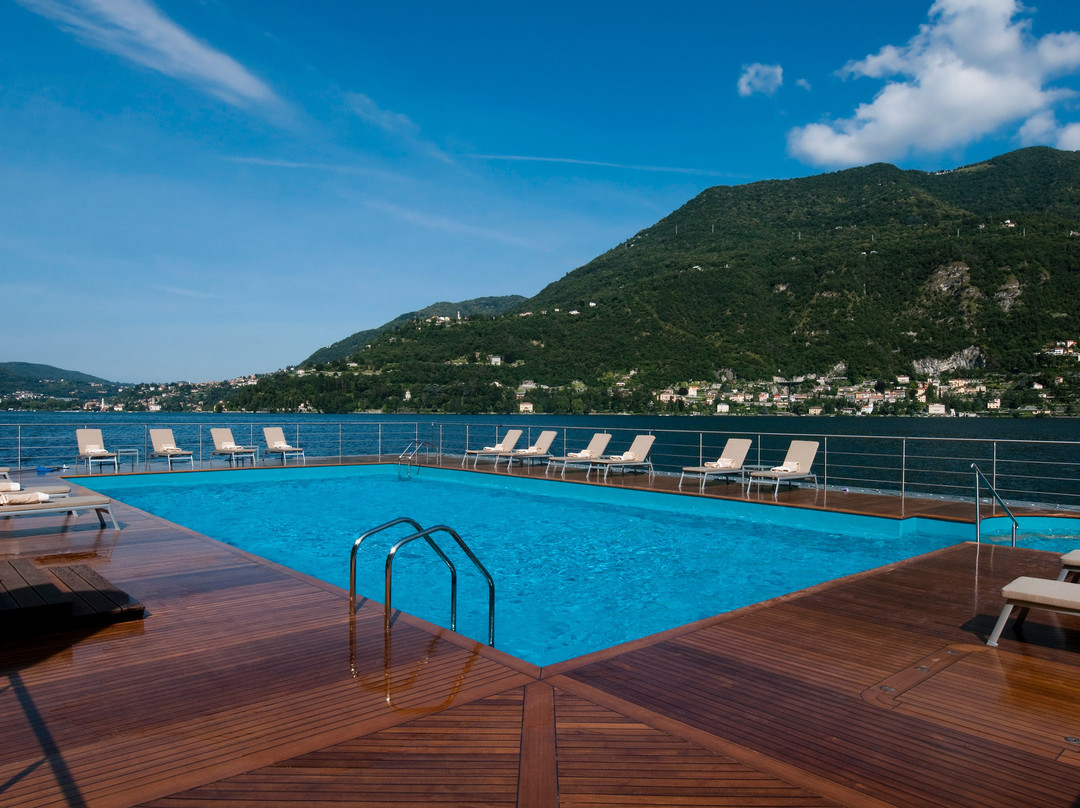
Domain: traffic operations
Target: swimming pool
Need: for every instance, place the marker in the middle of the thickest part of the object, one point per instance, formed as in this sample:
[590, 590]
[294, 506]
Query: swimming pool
[577, 568]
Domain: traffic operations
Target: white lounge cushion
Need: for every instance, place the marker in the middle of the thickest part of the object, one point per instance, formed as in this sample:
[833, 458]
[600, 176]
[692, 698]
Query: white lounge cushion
[1071, 559]
[6, 486]
[1055, 594]
[23, 498]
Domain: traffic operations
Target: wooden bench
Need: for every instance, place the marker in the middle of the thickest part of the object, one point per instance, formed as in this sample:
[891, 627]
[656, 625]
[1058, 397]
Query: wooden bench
[42, 599]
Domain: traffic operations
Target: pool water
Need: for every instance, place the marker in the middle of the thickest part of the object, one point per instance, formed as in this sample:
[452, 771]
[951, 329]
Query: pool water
[576, 568]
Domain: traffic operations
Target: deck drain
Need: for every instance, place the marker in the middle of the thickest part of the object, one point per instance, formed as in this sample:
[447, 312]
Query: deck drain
[923, 669]
[888, 689]
[1070, 739]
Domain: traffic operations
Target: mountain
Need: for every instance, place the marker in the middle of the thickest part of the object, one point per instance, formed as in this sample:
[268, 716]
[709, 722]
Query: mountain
[868, 272]
[482, 306]
[51, 381]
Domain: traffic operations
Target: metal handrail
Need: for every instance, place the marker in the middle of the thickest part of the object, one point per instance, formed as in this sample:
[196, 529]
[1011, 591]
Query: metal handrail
[426, 534]
[410, 453]
[978, 521]
[416, 526]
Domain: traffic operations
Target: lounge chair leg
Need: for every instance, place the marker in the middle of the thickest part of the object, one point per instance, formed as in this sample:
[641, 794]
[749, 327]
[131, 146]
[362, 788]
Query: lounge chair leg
[992, 641]
[1021, 616]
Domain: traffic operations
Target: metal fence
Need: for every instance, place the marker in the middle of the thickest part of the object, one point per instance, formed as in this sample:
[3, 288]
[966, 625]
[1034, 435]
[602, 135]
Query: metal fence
[1024, 472]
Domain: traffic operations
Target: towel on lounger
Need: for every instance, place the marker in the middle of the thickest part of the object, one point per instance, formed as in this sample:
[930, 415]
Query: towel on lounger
[23, 498]
[6, 486]
[786, 468]
[280, 444]
[496, 448]
[582, 453]
[627, 456]
[722, 463]
[93, 448]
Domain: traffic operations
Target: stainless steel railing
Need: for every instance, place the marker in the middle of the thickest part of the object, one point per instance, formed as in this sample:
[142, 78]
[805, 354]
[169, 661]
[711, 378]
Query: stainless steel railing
[978, 519]
[1022, 471]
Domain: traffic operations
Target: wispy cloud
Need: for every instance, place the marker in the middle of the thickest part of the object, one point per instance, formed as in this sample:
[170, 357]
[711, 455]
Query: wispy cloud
[571, 161]
[137, 30]
[446, 225]
[971, 71]
[759, 78]
[334, 168]
[396, 124]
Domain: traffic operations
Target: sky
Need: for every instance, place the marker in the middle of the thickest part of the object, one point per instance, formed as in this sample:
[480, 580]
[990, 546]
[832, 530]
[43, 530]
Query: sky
[193, 190]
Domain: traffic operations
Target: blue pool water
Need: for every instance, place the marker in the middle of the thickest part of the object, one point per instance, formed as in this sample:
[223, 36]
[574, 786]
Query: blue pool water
[576, 568]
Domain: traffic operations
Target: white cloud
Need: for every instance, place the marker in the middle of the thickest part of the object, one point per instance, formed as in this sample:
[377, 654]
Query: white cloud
[138, 31]
[1069, 137]
[759, 78]
[397, 124]
[802, 83]
[971, 71]
[393, 122]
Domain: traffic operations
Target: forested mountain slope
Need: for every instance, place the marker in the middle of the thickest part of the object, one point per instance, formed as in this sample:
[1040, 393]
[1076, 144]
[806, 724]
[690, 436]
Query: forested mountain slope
[870, 269]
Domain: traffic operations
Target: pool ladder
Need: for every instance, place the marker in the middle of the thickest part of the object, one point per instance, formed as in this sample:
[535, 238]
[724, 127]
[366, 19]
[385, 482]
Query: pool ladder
[427, 534]
[409, 456]
[978, 520]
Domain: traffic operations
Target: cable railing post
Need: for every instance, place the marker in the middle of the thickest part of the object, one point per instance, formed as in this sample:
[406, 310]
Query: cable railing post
[978, 522]
[993, 474]
[825, 470]
[903, 474]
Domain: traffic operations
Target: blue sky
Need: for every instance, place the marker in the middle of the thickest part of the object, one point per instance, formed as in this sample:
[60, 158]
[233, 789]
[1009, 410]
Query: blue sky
[199, 190]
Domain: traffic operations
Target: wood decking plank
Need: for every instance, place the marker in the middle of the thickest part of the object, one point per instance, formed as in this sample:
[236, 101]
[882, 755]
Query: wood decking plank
[240, 690]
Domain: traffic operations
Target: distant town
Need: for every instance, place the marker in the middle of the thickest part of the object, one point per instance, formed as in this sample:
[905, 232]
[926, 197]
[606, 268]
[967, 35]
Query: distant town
[951, 393]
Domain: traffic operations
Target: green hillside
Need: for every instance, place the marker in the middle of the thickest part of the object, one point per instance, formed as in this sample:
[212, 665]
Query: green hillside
[867, 272]
[46, 380]
[481, 306]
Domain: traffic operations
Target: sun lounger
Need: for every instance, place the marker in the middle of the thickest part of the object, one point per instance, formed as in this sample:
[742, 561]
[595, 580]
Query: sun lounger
[225, 446]
[1035, 593]
[636, 457]
[100, 505]
[277, 445]
[538, 451]
[507, 444]
[797, 465]
[594, 450]
[92, 450]
[165, 446]
[1070, 566]
[728, 465]
[54, 491]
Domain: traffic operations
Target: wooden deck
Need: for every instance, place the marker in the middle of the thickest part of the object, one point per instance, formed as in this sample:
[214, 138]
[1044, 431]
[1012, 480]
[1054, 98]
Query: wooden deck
[248, 684]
